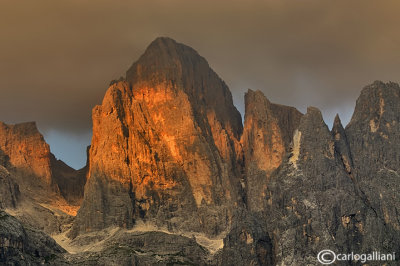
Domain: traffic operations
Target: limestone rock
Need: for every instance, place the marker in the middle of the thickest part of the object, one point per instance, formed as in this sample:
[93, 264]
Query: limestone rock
[33, 167]
[39, 190]
[70, 182]
[169, 152]
[315, 204]
[24, 246]
[9, 190]
[26, 150]
[248, 242]
[373, 135]
[167, 62]
[164, 147]
[144, 248]
[373, 131]
[268, 131]
[342, 145]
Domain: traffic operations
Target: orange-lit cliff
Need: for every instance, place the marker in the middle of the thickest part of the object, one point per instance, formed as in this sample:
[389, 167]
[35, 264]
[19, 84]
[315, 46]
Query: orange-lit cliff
[33, 170]
[164, 147]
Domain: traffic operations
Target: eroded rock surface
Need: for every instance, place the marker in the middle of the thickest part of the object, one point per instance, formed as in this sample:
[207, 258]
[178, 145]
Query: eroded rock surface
[144, 248]
[9, 190]
[267, 135]
[374, 139]
[25, 246]
[315, 203]
[164, 147]
[33, 167]
[70, 182]
[41, 191]
[27, 151]
[248, 242]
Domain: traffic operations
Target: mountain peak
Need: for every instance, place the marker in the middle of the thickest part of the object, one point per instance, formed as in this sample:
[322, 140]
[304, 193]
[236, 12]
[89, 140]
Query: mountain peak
[169, 64]
[166, 47]
[312, 124]
[164, 59]
[337, 129]
[337, 123]
[164, 39]
[165, 42]
[377, 105]
[268, 130]
[26, 128]
[337, 119]
[313, 111]
[167, 135]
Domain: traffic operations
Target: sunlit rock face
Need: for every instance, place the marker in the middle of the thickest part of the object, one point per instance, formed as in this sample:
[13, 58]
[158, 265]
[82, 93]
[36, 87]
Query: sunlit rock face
[164, 147]
[28, 166]
[26, 150]
[267, 135]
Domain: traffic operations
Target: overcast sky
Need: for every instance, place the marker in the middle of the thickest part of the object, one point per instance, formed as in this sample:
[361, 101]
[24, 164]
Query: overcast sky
[57, 57]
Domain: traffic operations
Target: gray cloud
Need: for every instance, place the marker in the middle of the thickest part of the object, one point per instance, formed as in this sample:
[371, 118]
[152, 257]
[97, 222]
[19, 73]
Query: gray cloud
[57, 57]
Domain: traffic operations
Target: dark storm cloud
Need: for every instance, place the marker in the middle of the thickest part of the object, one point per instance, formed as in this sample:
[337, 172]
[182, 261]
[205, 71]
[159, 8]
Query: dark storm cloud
[57, 57]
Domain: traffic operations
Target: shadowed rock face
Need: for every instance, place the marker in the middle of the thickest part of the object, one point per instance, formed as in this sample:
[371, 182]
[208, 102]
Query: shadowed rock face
[315, 202]
[268, 131]
[164, 147]
[342, 145]
[144, 248]
[9, 190]
[248, 242]
[374, 139]
[70, 182]
[24, 246]
[373, 131]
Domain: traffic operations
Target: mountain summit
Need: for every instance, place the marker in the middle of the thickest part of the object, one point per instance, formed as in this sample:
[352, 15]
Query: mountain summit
[170, 63]
[168, 150]
[174, 178]
[164, 147]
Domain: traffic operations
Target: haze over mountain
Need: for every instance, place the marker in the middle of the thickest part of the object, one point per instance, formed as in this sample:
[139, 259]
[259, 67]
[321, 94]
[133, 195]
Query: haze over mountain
[57, 59]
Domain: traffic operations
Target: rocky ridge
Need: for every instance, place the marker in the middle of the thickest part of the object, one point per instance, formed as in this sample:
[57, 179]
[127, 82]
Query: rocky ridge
[169, 151]
[314, 204]
[301, 188]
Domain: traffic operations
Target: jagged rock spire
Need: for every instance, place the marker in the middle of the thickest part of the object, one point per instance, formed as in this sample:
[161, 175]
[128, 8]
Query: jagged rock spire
[268, 131]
